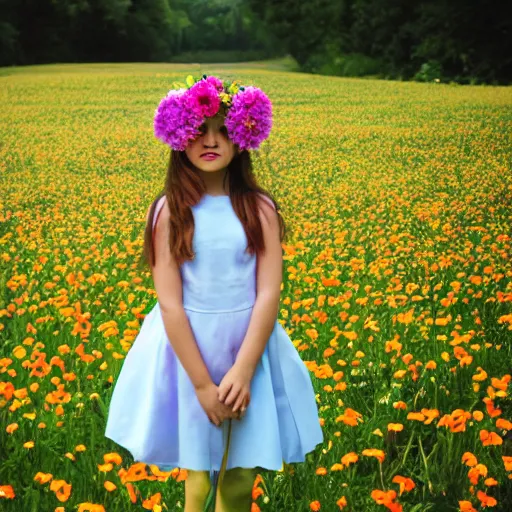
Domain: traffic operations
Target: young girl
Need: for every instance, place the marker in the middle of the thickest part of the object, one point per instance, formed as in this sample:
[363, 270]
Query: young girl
[212, 383]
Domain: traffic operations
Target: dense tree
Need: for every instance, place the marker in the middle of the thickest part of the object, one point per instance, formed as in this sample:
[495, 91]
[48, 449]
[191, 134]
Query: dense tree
[457, 39]
[41, 31]
[423, 39]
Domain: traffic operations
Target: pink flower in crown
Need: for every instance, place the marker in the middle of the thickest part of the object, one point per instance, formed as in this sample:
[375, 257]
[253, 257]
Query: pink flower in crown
[175, 121]
[216, 82]
[203, 98]
[249, 119]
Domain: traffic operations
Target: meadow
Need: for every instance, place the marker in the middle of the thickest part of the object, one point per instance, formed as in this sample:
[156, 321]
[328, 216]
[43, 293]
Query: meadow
[397, 285]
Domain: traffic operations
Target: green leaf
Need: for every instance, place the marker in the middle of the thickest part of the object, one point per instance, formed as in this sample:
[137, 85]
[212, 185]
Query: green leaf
[209, 504]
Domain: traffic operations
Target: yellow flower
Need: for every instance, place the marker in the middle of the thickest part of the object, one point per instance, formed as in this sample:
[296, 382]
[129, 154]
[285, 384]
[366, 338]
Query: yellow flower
[233, 88]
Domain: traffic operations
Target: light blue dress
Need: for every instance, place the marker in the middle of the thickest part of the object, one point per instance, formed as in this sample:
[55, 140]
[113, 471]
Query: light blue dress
[154, 412]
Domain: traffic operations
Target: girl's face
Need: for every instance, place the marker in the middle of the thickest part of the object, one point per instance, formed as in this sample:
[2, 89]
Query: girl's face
[212, 150]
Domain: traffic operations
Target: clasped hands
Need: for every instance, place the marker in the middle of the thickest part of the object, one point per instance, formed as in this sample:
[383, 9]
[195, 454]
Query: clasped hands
[230, 398]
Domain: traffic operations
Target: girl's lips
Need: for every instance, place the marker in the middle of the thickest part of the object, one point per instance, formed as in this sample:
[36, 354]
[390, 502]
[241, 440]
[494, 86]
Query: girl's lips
[209, 156]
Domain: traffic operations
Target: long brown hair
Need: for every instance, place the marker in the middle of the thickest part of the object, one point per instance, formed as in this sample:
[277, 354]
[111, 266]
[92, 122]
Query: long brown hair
[184, 188]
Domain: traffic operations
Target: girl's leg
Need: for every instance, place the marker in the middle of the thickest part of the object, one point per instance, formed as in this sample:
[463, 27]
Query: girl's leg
[197, 486]
[235, 491]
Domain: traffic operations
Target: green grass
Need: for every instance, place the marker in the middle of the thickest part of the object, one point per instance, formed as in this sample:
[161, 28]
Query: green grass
[398, 200]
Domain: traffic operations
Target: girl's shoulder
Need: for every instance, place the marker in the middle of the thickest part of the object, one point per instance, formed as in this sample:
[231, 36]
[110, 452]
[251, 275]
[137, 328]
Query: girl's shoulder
[267, 200]
[159, 207]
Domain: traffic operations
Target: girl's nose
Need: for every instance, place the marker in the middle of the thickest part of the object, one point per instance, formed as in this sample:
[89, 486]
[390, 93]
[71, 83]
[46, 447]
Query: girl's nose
[210, 137]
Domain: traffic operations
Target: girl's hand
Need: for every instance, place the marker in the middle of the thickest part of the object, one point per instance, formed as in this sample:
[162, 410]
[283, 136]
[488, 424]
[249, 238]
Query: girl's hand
[235, 388]
[216, 411]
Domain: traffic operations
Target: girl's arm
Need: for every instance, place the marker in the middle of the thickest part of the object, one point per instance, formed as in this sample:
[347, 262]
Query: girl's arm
[169, 290]
[268, 290]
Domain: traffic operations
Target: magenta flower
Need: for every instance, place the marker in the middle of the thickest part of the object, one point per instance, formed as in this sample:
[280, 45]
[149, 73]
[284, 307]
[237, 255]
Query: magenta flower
[175, 122]
[204, 98]
[249, 119]
[216, 82]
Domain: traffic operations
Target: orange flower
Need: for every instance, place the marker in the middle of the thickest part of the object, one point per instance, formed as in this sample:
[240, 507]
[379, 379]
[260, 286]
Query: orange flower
[257, 492]
[131, 492]
[491, 410]
[456, 421]
[135, 473]
[324, 371]
[43, 478]
[349, 458]
[431, 414]
[478, 415]
[373, 452]
[61, 488]
[386, 499]
[466, 506]
[407, 358]
[490, 438]
[418, 416]
[476, 472]
[395, 427]
[114, 458]
[400, 405]
[150, 503]
[503, 424]
[328, 352]
[314, 505]
[90, 507]
[181, 475]
[486, 501]
[11, 428]
[350, 417]
[502, 383]
[109, 486]
[342, 503]
[7, 491]
[406, 484]
[507, 461]
[321, 471]
[469, 459]
[481, 376]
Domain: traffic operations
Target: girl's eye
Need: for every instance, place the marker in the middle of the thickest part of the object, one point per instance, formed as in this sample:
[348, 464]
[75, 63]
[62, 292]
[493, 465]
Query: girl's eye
[202, 129]
[224, 131]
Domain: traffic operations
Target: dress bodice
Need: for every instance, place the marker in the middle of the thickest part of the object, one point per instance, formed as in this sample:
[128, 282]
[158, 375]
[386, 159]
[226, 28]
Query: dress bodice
[222, 276]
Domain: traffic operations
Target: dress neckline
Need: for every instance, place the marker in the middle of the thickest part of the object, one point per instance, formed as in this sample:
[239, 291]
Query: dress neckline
[210, 195]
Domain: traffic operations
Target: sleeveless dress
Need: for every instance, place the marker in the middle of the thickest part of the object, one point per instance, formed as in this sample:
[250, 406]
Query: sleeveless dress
[154, 412]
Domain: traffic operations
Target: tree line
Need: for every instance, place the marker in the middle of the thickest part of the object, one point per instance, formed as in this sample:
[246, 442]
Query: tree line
[459, 40]
[47, 31]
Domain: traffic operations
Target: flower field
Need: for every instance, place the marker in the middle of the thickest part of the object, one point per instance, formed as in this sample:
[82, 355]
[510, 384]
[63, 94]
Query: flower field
[397, 285]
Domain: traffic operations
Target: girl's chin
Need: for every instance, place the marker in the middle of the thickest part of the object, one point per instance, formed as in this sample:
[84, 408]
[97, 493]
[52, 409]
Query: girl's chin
[211, 165]
[211, 168]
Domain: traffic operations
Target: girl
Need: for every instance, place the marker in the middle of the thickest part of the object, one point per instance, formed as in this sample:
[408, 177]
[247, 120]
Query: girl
[212, 383]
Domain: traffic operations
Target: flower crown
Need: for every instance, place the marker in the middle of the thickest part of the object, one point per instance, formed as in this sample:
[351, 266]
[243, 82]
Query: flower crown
[182, 111]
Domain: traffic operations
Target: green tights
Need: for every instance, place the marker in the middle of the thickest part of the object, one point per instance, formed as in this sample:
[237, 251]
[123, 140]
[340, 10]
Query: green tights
[234, 493]
[234, 487]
